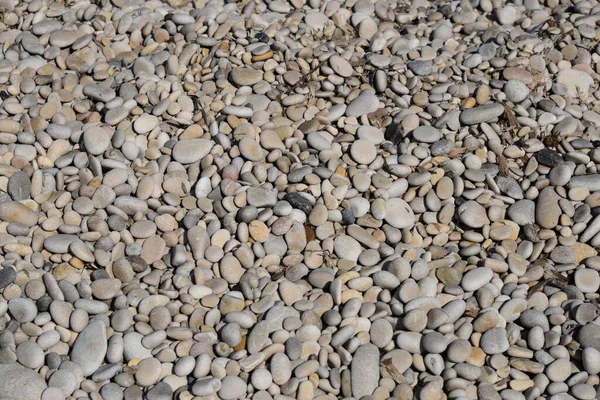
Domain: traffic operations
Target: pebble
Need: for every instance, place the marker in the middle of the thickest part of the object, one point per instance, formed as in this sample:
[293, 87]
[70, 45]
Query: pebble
[19, 382]
[362, 105]
[578, 82]
[484, 113]
[299, 200]
[365, 371]
[516, 91]
[232, 387]
[18, 213]
[426, 134]
[96, 140]
[90, 348]
[22, 309]
[19, 186]
[363, 151]
[400, 214]
[188, 151]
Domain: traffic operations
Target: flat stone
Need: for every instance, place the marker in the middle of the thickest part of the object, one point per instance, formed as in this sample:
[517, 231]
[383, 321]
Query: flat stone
[589, 336]
[591, 182]
[347, 248]
[299, 202]
[261, 197]
[7, 276]
[59, 244]
[476, 278]
[587, 280]
[145, 123]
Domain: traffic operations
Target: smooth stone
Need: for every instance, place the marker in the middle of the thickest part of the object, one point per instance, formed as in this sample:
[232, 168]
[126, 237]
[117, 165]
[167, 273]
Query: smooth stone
[381, 333]
[22, 309]
[232, 388]
[90, 348]
[427, 134]
[420, 67]
[96, 140]
[261, 197]
[341, 66]
[30, 354]
[577, 82]
[347, 248]
[364, 370]
[547, 211]
[362, 105]
[145, 123]
[206, 386]
[399, 214]
[148, 372]
[591, 182]
[18, 382]
[476, 278]
[19, 186]
[441, 147]
[559, 370]
[18, 213]
[59, 244]
[188, 151]
[494, 341]
[7, 276]
[587, 280]
[484, 113]
[516, 91]
[472, 214]
[522, 212]
[363, 151]
[99, 92]
[245, 76]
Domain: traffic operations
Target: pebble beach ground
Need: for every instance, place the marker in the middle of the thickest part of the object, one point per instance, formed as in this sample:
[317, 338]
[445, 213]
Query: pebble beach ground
[302, 200]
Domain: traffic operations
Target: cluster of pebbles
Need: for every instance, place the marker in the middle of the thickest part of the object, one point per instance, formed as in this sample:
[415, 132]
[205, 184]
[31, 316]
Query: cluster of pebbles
[299, 200]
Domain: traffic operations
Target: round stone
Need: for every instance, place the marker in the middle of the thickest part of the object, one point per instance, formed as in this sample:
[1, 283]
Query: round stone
[515, 91]
[363, 151]
[96, 140]
[587, 280]
[494, 341]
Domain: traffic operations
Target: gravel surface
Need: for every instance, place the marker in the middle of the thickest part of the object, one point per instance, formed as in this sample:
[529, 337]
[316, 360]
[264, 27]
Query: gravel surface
[299, 200]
